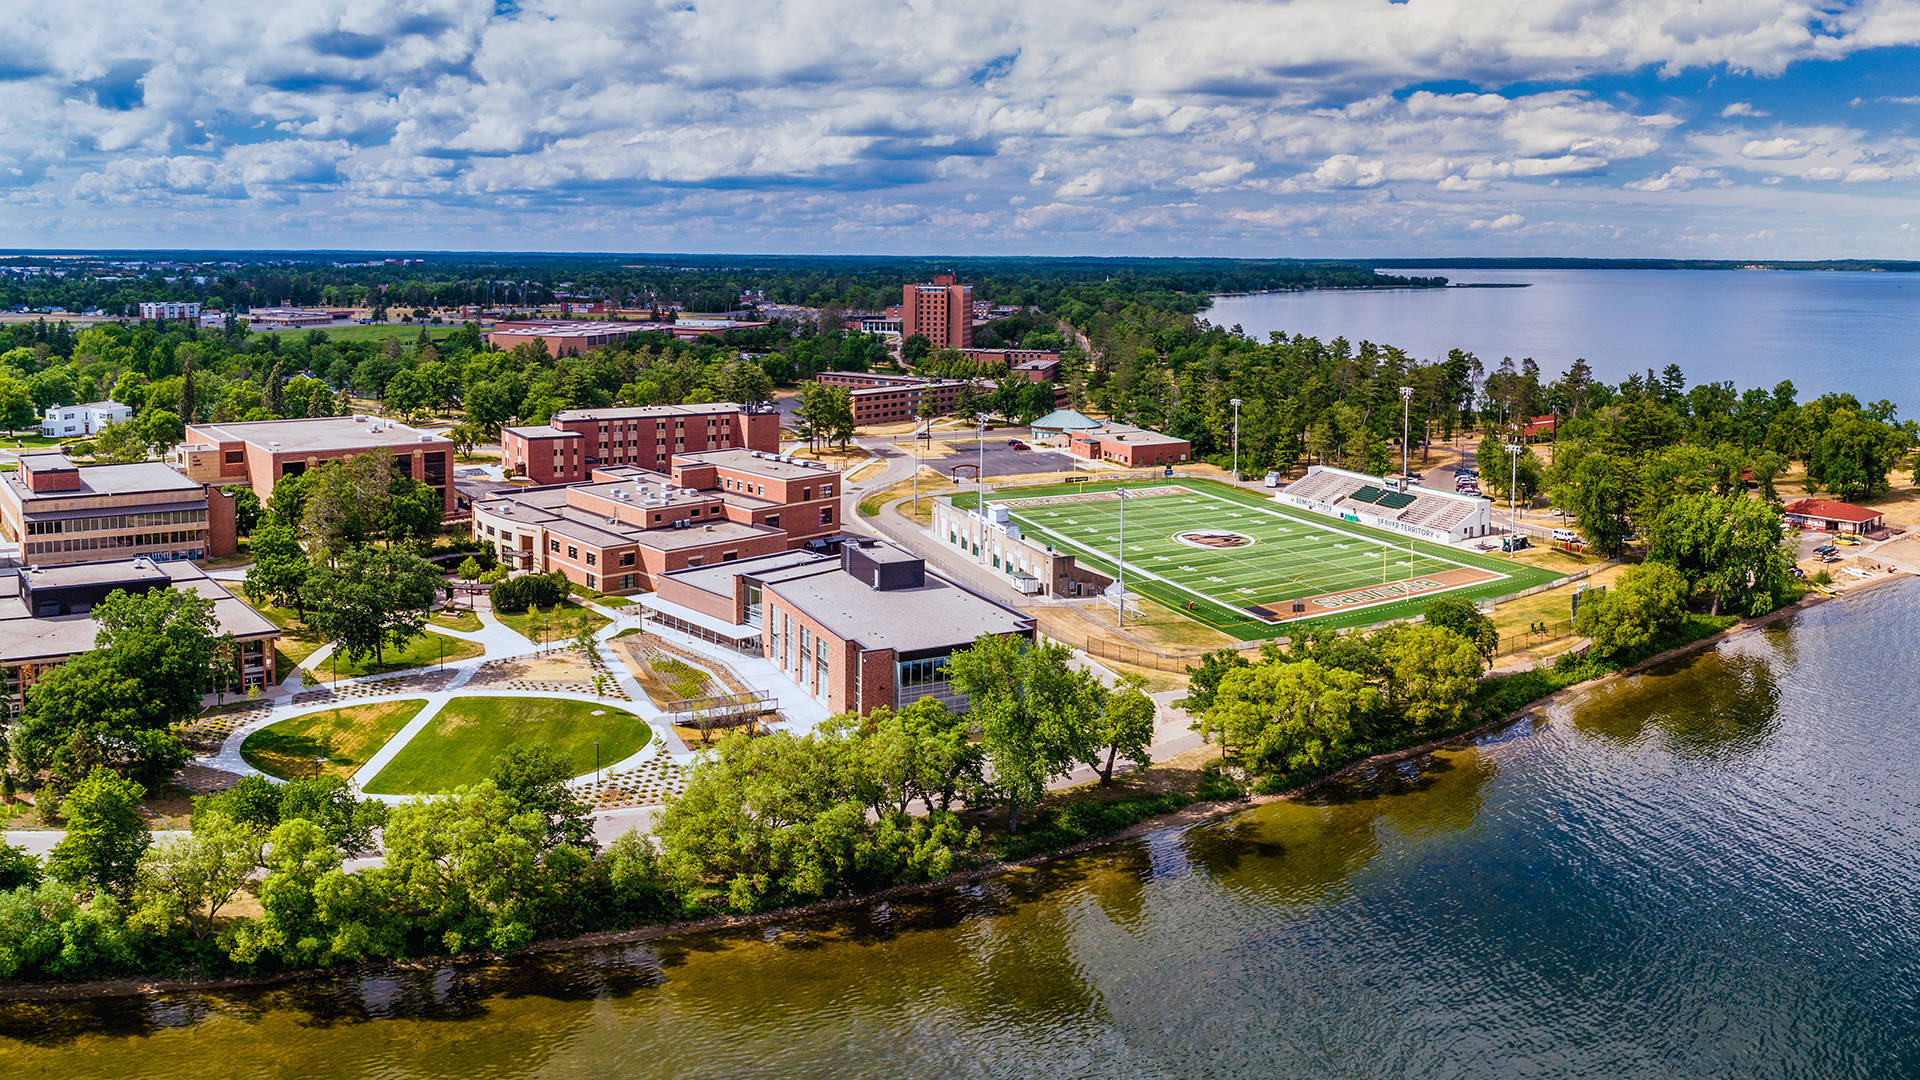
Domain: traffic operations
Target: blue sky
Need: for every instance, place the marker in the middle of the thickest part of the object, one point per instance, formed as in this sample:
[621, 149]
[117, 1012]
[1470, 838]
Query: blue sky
[1703, 128]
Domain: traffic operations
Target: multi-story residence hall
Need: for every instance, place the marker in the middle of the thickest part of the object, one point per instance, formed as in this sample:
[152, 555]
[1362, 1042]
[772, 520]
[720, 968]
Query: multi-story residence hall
[258, 453]
[866, 627]
[59, 512]
[626, 526]
[45, 619]
[567, 449]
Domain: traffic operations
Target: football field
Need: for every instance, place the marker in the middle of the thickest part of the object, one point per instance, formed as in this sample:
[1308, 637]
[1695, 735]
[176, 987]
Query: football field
[1247, 565]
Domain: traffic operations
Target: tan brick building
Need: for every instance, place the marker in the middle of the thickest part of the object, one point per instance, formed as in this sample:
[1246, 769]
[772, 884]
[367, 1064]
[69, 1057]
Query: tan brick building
[58, 512]
[258, 453]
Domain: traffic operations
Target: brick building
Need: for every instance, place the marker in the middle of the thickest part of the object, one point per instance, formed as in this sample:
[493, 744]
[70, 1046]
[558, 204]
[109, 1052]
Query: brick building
[880, 398]
[1127, 446]
[864, 628]
[170, 310]
[941, 310]
[59, 512]
[258, 453]
[45, 620]
[576, 441]
[564, 337]
[624, 528]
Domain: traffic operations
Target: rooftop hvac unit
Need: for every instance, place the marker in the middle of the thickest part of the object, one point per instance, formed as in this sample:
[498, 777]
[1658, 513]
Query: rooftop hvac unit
[424, 437]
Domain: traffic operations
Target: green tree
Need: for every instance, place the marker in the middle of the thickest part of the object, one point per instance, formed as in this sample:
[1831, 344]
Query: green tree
[1643, 602]
[18, 869]
[1458, 614]
[280, 568]
[1852, 454]
[16, 405]
[1124, 727]
[1600, 490]
[1034, 712]
[535, 778]
[115, 705]
[1430, 674]
[191, 878]
[105, 837]
[1279, 718]
[119, 442]
[371, 599]
[921, 752]
[1726, 546]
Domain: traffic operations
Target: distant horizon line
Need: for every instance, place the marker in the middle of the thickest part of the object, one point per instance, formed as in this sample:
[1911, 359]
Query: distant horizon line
[1388, 261]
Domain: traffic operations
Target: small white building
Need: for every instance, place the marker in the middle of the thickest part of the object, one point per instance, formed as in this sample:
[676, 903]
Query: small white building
[170, 310]
[68, 421]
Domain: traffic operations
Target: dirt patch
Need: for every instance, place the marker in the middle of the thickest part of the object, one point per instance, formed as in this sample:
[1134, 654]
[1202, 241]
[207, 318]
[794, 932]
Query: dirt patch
[558, 667]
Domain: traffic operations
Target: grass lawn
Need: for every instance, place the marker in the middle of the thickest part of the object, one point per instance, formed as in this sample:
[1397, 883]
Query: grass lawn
[531, 624]
[465, 621]
[600, 598]
[457, 747]
[295, 643]
[1264, 556]
[426, 650]
[406, 333]
[345, 737]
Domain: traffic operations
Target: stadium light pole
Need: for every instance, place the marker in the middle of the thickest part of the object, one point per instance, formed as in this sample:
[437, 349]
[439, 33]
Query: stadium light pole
[1513, 481]
[1406, 403]
[1120, 609]
[1236, 439]
[983, 465]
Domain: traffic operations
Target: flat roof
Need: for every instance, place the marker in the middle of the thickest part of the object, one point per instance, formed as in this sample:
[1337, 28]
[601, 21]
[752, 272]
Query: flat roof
[1127, 433]
[931, 616]
[136, 478]
[717, 578]
[26, 639]
[318, 434]
[540, 431]
[566, 329]
[702, 535]
[758, 463]
[633, 412]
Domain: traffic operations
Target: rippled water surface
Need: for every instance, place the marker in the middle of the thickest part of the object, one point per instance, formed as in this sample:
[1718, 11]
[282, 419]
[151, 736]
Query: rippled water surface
[1852, 332]
[1708, 871]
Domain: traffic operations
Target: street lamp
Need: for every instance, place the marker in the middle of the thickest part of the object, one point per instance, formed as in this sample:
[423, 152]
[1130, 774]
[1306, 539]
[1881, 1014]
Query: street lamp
[1236, 439]
[1406, 403]
[1513, 482]
[983, 464]
[596, 761]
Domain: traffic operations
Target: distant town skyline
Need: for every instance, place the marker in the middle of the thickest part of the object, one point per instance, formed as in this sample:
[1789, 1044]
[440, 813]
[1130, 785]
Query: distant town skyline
[1322, 128]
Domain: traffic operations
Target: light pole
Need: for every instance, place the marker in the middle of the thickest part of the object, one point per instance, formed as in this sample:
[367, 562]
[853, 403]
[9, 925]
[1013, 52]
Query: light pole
[596, 761]
[983, 465]
[1120, 610]
[1236, 439]
[1406, 403]
[1513, 482]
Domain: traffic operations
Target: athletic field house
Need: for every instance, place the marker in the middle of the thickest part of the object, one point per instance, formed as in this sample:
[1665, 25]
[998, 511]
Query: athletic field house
[1249, 566]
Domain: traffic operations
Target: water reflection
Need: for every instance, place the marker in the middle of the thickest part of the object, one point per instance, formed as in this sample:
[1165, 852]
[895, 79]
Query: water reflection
[1720, 705]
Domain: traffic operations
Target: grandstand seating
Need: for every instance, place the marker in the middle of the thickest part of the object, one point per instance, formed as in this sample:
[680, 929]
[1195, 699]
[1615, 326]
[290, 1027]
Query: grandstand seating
[1421, 507]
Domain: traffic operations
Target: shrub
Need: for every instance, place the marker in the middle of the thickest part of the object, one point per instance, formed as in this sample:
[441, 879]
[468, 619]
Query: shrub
[515, 595]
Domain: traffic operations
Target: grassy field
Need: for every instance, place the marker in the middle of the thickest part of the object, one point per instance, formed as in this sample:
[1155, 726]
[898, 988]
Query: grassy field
[1212, 552]
[346, 738]
[427, 650]
[406, 333]
[533, 624]
[295, 643]
[465, 621]
[457, 747]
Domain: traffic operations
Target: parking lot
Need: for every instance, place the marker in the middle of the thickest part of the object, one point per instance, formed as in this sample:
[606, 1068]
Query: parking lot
[1001, 459]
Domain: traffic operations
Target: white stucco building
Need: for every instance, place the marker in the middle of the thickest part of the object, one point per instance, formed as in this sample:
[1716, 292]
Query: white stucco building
[67, 421]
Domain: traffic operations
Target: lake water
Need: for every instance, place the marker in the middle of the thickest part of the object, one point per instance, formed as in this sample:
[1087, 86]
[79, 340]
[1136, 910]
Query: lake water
[1707, 871]
[1857, 332]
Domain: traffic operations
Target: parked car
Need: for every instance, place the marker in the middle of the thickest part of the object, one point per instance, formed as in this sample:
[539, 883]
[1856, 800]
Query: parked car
[1016, 444]
[1565, 536]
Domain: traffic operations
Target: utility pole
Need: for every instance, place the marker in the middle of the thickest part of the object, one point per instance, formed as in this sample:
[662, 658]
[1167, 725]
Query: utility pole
[1513, 481]
[1236, 439]
[1406, 403]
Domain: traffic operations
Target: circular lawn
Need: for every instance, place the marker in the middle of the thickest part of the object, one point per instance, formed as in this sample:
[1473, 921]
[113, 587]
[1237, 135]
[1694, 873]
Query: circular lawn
[459, 744]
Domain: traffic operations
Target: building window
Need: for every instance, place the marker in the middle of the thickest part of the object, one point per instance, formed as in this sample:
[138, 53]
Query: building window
[573, 552]
[773, 521]
[591, 559]
[553, 545]
[626, 581]
[826, 515]
[626, 558]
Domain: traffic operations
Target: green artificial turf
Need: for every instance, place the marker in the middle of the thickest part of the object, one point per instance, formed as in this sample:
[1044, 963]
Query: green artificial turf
[1292, 554]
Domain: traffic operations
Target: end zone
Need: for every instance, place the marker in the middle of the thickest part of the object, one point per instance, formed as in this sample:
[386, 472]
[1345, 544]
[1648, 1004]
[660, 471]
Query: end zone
[1307, 607]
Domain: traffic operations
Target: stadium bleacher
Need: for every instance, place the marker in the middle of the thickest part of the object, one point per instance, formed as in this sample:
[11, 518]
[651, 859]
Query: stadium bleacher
[1420, 506]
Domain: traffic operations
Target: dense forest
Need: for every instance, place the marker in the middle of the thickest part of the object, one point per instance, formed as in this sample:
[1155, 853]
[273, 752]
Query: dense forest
[694, 282]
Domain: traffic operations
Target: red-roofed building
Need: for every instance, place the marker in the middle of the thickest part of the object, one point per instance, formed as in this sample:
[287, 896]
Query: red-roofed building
[1832, 516]
[1537, 427]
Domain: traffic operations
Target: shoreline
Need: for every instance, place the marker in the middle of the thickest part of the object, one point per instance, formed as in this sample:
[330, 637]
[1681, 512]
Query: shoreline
[1192, 814]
